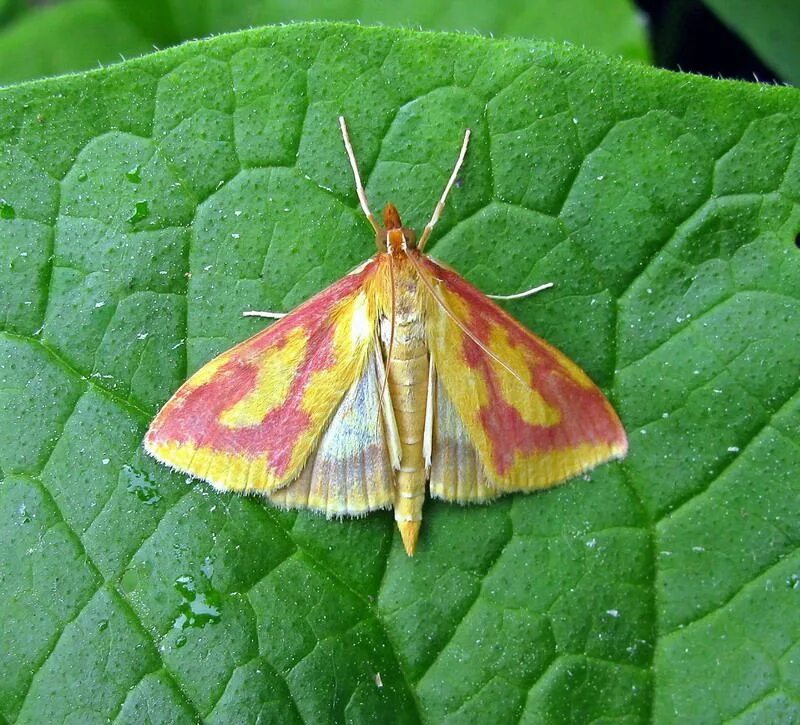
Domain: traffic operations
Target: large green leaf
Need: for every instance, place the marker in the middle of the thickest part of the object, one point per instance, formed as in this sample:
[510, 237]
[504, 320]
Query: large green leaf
[80, 34]
[145, 206]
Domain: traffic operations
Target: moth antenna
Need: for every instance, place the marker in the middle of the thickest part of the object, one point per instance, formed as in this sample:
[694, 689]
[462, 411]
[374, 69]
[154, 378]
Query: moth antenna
[437, 212]
[423, 275]
[362, 196]
[270, 315]
[520, 295]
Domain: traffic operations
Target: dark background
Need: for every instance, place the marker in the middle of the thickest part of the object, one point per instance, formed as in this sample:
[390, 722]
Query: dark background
[686, 35]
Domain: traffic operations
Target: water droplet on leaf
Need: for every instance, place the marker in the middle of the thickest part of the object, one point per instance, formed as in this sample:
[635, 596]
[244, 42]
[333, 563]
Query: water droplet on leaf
[6, 210]
[142, 211]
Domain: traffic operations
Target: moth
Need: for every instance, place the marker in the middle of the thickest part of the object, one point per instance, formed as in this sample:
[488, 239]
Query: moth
[399, 377]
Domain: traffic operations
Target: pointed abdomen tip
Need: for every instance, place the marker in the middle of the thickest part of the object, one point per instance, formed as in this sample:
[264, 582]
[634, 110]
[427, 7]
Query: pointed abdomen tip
[409, 532]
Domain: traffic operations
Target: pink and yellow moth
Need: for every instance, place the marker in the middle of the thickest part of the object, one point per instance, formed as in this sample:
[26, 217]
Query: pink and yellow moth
[399, 377]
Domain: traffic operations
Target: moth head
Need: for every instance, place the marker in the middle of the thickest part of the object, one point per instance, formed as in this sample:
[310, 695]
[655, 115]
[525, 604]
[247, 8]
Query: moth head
[394, 237]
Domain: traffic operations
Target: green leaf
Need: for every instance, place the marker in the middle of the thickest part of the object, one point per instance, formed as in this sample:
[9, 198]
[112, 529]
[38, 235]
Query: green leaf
[771, 29]
[10, 9]
[145, 206]
[84, 33]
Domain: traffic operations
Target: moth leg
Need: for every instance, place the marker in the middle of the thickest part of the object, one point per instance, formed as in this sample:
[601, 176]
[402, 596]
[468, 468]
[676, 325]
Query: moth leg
[427, 440]
[389, 420]
[527, 293]
[270, 315]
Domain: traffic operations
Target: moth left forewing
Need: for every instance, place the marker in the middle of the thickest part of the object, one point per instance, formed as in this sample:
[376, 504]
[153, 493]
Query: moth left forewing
[249, 419]
[532, 416]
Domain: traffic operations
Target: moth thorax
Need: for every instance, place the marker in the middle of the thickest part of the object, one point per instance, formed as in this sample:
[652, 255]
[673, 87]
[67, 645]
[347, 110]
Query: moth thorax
[402, 330]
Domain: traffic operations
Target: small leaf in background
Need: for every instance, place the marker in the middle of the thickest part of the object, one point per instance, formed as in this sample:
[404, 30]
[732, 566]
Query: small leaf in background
[770, 27]
[156, 200]
[81, 34]
[69, 36]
